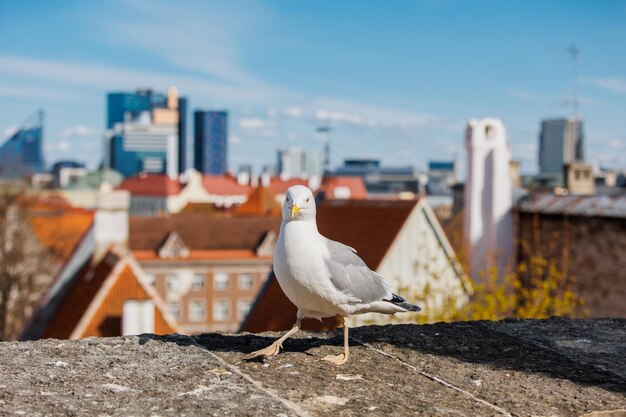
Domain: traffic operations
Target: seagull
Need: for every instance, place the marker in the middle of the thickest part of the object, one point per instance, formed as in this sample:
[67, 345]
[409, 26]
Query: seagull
[324, 278]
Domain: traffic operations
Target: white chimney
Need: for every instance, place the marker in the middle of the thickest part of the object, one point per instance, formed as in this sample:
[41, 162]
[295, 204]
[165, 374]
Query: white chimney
[243, 178]
[488, 223]
[110, 222]
[265, 179]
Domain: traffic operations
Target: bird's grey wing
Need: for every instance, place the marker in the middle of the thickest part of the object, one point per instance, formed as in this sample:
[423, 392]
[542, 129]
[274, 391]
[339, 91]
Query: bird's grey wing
[351, 276]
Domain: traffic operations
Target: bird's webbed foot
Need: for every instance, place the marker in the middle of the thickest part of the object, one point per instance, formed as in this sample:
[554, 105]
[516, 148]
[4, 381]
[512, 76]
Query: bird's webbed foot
[336, 359]
[271, 350]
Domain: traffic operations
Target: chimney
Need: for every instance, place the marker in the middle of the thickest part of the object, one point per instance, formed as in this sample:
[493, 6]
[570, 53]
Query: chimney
[579, 178]
[243, 178]
[111, 221]
[265, 179]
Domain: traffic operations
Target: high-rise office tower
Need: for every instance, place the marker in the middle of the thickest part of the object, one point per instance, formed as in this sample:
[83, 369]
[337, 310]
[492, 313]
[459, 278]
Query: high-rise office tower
[164, 109]
[140, 145]
[210, 141]
[21, 155]
[560, 142]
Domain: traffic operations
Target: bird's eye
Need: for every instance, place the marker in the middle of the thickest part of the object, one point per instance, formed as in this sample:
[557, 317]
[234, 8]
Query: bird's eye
[287, 199]
[307, 200]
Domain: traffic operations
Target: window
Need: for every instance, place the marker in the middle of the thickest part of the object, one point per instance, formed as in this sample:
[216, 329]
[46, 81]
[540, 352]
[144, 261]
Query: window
[197, 283]
[173, 283]
[245, 281]
[150, 279]
[220, 281]
[221, 310]
[137, 317]
[173, 308]
[196, 310]
[243, 307]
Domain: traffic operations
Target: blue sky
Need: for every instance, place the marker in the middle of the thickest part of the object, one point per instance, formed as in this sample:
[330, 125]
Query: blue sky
[397, 80]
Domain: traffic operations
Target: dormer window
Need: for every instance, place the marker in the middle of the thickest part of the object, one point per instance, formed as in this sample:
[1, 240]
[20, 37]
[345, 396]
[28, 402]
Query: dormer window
[173, 247]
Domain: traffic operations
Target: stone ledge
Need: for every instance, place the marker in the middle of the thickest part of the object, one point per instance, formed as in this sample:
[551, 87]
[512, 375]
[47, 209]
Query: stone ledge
[517, 367]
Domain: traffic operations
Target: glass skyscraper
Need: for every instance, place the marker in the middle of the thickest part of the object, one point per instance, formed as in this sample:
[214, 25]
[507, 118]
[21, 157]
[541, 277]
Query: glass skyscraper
[560, 142]
[127, 107]
[210, 141]
[22, 155]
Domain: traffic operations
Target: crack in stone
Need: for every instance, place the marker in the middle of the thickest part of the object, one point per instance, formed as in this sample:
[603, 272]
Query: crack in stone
[287, 403]
[433, 377]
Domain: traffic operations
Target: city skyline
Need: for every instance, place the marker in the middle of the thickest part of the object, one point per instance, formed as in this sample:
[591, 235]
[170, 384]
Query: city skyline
[396, 81]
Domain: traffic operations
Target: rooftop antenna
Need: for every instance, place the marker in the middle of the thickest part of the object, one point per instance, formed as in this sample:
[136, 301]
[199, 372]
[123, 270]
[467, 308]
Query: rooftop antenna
[574, 51]
[324, 131]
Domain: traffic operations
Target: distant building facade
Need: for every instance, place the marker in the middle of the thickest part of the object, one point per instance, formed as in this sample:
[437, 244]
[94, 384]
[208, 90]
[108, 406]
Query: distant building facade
[586, 237]
[140, 146]
[210, 142]
[22, 154]
[298, 163]
[147, 108]
[441, 177]
[384, 181]
[560, 142]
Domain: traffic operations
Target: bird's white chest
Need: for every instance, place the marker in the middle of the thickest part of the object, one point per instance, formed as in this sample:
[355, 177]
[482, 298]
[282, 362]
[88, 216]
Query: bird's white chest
[300, 267]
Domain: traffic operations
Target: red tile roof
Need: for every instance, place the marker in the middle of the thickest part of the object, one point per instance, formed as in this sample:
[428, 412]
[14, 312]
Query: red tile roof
[369, 226]
[153, 185]
[356, 185]
[224, 185]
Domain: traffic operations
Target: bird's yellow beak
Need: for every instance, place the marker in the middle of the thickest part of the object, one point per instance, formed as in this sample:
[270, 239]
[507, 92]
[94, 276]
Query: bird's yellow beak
[294, 210]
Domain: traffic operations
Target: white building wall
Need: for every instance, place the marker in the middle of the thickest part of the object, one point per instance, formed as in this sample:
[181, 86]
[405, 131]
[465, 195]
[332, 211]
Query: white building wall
[488, 225]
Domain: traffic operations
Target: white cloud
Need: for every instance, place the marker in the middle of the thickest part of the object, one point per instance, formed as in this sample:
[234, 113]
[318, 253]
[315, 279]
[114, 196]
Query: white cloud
[10, 131]
[234, 139]
[612, 84]
[293, 112]
[252, 123]
[78, 131]
[28, 91]
[63, 145]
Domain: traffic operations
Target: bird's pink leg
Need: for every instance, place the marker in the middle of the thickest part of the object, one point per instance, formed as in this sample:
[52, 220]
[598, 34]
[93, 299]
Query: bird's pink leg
[343, 358]
[274, 348]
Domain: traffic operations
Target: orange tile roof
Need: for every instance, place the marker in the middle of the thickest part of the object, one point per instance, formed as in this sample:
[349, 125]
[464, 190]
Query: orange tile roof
[260, 202]
[154, 185]
[59, 228]
[224, 185]
[355, 184]
[215, 254]
[369, 226]
[278, 186]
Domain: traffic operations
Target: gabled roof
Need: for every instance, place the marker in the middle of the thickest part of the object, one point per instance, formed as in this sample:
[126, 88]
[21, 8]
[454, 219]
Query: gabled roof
[369, 226]
[261, 202]
[70, 312]
[152, 185]
[224, 185]
[331, 187]
[200, 232]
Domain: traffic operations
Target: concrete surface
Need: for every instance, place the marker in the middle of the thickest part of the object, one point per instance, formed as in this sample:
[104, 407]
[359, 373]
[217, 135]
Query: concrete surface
[554, 367]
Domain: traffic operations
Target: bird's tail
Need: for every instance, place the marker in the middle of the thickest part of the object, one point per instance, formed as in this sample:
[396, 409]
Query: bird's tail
[401, 302]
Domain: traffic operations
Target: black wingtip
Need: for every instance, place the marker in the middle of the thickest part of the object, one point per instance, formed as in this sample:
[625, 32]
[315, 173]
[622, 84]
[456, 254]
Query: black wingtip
[401, 302]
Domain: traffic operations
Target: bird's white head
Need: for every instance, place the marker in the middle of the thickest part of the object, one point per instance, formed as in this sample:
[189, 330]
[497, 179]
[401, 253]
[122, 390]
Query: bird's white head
[299, 204]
